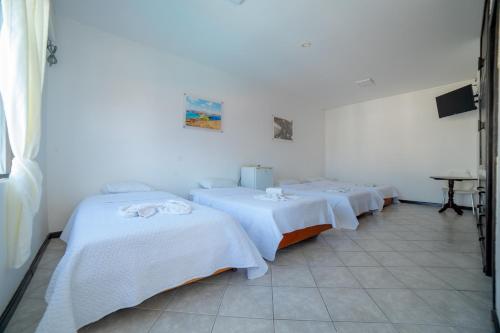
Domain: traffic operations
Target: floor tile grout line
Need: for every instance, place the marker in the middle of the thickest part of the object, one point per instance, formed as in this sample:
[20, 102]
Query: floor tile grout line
[272, 300]
[437, 277]
[218, 308]
[156, 320]
[370, 296]
[324, 302]
[410, 289]
[439, 310]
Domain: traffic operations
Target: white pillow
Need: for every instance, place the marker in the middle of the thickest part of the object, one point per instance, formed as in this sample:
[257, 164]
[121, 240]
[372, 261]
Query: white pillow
[288, 182]
[217, 183]
[124, 187]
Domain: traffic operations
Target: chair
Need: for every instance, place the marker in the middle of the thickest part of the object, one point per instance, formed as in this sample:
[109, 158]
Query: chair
[465, 187]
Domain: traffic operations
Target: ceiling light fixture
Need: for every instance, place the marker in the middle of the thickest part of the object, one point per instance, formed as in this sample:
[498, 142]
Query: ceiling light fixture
[306, 44]
[366, 82]
[237, 2]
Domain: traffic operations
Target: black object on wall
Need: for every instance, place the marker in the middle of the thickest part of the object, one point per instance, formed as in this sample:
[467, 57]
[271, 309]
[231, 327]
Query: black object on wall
[456, 101]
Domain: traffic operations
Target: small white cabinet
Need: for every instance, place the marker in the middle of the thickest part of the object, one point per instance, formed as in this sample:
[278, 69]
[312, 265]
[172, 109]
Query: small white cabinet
[257, 177]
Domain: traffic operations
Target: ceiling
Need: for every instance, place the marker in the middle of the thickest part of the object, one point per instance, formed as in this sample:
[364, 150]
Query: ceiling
[404, 45]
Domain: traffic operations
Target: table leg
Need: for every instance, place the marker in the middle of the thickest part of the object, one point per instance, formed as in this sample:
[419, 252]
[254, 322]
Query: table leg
[457, 209]
[451, 202]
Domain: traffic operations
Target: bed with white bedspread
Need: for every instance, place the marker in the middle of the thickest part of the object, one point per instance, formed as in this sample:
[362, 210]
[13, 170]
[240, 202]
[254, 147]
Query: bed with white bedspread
[386, 191]
[347, 202]
[113, 262]
[266, 221]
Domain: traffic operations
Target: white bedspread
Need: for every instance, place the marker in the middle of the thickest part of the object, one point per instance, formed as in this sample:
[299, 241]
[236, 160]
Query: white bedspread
[113, 262]
[266, 221]
[347, 202]
[385, 191]
[388, 191]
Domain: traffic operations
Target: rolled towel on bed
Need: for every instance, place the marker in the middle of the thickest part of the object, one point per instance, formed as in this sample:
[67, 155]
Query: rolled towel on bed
[274, 191]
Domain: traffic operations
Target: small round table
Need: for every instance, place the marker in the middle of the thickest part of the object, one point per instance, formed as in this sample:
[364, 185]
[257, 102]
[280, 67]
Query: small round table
[451, 192]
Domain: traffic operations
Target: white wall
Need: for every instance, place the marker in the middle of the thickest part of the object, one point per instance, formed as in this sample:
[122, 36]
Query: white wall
[400, 140]
[115, 112]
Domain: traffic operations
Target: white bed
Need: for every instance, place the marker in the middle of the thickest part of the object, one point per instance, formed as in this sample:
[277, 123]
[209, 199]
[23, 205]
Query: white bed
[385, 191]
[113, 262]
[388, 192]
[266, 221]
[347, 203]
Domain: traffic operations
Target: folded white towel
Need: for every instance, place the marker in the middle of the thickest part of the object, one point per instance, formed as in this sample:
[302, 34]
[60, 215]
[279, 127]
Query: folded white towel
[274, 191]
[176, 207]
[138, 210]
[148, 209]
[128, 211]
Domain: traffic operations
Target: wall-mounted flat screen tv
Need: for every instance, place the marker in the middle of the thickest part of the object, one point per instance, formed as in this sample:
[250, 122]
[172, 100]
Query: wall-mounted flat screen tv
[456, 101]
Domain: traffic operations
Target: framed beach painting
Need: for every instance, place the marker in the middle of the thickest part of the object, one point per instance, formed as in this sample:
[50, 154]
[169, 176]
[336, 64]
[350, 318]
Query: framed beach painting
[283, 129]
[203, 113]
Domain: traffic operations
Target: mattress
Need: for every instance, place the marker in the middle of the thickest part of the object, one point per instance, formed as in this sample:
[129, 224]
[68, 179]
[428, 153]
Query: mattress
[113, 262]
[266, 221]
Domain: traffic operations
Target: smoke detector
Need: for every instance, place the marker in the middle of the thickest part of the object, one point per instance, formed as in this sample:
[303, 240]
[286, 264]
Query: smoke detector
[237, 2]
[366, 82]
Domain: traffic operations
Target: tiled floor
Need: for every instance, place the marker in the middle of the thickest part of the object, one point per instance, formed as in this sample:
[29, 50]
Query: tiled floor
[405, 270]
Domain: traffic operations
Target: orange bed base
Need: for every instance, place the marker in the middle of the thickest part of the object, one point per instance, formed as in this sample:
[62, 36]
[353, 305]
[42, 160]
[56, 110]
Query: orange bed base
[302, 234]
[219, 271]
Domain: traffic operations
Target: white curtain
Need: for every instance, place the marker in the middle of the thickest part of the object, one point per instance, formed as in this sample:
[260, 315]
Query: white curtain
[23, 42]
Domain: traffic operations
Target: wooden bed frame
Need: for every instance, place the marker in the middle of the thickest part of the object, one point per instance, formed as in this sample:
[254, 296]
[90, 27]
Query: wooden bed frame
[302, 234]
[217, 272]
[310, 232]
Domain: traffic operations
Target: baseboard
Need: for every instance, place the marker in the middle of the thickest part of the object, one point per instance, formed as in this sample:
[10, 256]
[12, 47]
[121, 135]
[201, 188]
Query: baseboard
[433, 204]
[21, 289]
